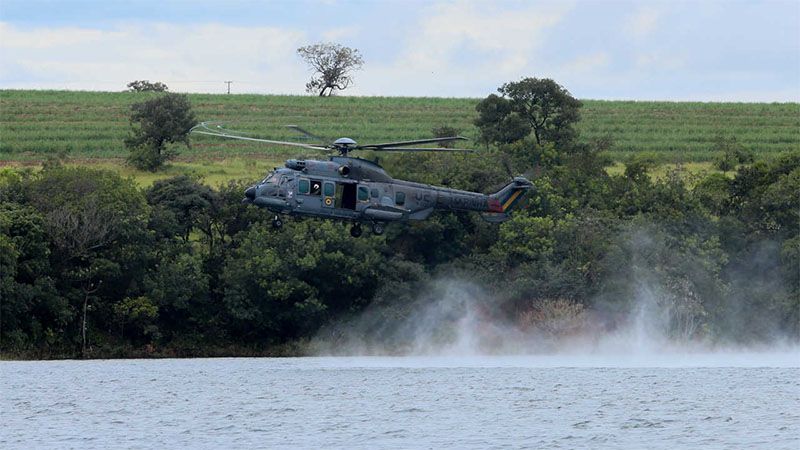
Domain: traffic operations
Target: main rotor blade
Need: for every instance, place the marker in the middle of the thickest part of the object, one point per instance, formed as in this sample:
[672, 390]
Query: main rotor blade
[417, 149]
[418, 141]
[218, 128]
[308, 133]
[222, 134]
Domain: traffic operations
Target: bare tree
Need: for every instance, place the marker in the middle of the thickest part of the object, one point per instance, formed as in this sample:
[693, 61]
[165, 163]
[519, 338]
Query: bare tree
[332, 65]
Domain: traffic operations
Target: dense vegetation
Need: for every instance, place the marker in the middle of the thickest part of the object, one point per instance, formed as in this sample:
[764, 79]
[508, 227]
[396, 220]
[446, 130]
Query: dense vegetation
[35, 124]
[94, 264]
[180, 268]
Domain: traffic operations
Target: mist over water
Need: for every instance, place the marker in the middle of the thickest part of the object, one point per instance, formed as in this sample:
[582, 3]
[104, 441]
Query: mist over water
[456, 318]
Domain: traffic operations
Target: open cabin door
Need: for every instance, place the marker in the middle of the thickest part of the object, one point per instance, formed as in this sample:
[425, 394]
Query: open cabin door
[349, 196]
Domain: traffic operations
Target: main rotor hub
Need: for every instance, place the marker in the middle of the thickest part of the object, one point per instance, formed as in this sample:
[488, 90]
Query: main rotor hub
[344, 142]
[344, 145]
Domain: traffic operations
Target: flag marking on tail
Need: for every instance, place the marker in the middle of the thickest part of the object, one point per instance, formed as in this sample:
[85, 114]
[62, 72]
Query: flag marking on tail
[511, 199]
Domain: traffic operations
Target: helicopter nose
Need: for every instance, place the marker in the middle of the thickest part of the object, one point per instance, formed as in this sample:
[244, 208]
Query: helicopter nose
[250, 192]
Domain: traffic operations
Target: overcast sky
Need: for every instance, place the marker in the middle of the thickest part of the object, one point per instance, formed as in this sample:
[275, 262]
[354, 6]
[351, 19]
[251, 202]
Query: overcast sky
[707, 51]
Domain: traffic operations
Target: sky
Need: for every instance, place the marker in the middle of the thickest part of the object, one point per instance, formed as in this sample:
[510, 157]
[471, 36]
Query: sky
[746, 51]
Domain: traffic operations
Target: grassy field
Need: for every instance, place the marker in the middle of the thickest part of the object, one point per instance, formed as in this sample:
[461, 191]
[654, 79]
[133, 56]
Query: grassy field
[91, 125]
[214, 172]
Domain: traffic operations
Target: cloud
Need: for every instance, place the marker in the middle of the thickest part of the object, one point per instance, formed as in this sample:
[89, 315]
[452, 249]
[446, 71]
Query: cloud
[660, 61]
[186, 57]
[506, 40]
[14, 38]
[644, 21]
[588, 63]
[467, 48]
[340, 33]
[622, 50]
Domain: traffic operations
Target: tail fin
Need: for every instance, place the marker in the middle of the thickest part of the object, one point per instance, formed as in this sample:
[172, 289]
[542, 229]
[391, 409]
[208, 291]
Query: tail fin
[502, 202]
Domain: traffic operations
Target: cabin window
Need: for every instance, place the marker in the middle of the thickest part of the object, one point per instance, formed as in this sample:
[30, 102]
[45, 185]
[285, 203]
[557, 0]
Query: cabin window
[400, 198]
[329, 189]
[316, 187]
[304, 186]
[374, 193]
[363, 194]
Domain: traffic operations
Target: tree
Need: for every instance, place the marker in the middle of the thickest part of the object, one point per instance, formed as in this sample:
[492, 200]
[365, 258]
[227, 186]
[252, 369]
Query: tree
[730, 154]
[540, 105]
[147, 86]
[186, 200]
[75, 244]
[497, 122]
[31, 308]
[156, 123]
[445, 131]
[332, 65]
[284, 287]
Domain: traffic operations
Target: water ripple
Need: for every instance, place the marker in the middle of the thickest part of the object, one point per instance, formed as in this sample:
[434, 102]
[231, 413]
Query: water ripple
[379, 402]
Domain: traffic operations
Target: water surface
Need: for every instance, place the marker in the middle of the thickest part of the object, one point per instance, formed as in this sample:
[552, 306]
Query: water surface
[477, 402]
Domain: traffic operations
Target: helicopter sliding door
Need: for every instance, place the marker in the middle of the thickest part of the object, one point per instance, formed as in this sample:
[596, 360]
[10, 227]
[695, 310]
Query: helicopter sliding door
[339, 199]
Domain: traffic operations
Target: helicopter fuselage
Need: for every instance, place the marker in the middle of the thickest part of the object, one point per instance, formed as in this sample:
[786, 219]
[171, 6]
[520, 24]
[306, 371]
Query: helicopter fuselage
[357, 190]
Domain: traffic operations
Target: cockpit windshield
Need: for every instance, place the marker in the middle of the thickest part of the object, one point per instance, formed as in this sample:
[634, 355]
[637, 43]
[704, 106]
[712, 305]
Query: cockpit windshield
[271, 179]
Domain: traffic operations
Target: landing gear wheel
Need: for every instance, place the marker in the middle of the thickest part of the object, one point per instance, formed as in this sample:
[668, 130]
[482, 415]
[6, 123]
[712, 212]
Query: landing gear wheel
[277, 223]
[378, 228]
[356, 231]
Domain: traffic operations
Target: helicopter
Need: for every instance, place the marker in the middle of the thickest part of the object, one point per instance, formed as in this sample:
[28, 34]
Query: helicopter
[361, 191]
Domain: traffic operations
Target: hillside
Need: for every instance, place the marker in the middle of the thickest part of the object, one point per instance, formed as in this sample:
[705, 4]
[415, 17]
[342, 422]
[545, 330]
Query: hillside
[34, 124]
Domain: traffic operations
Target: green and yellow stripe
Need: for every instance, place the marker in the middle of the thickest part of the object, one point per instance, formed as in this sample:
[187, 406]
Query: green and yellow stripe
[511, 199]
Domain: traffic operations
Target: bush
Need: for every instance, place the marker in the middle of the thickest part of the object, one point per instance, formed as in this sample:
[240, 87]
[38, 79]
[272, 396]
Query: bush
[147, 86]
[730, 154]
[445, 131]
[143, 157]
[726, 162]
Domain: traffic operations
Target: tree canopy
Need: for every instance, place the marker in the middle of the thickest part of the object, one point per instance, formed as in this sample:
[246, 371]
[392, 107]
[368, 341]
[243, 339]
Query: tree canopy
[332, 64]
[147, 86]
[155, 123]
[531, 104]
[184, 269]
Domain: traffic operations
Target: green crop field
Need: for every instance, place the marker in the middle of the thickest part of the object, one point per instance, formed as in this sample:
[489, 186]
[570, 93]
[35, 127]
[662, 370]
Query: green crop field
[90, 125]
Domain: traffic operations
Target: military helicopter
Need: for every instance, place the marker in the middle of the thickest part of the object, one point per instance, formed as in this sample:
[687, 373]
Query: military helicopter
[360, 191]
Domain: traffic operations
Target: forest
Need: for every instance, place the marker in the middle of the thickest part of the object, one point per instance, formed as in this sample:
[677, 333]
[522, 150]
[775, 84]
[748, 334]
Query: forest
[94, 265]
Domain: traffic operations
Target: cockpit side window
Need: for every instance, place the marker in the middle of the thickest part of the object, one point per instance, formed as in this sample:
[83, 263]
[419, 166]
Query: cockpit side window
[363, 193]
[284, 179]
[400, 198]
[304, 186]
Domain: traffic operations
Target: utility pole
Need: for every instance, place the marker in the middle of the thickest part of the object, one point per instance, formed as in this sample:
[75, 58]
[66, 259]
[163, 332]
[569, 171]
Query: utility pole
[229, 86]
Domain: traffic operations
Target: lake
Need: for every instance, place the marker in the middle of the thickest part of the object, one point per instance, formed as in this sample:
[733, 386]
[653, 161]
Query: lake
[734, 400]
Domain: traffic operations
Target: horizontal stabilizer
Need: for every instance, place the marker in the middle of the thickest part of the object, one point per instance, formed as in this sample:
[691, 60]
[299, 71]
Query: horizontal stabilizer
[495, 217]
